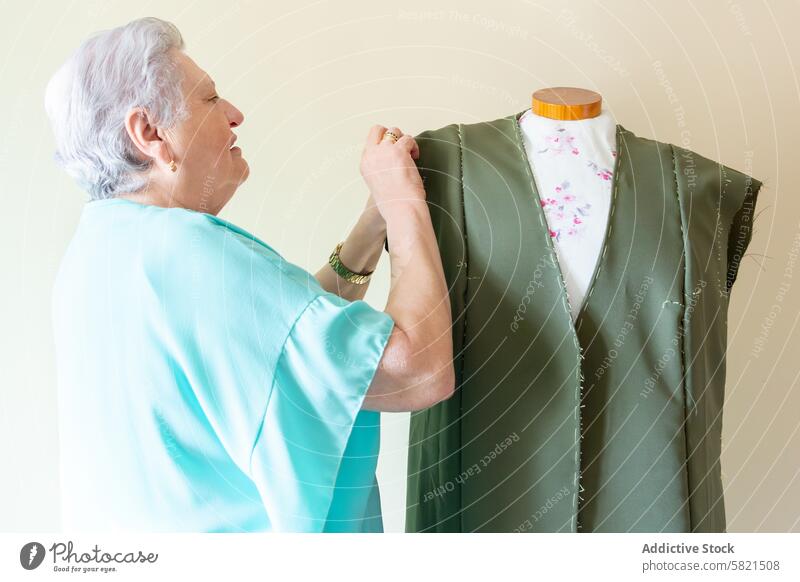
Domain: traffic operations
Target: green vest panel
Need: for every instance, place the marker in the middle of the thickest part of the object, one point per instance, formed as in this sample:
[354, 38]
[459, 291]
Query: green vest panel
[609, 424]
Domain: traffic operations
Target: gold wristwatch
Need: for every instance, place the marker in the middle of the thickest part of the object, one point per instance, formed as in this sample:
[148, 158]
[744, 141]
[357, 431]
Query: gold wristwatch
[345, 273]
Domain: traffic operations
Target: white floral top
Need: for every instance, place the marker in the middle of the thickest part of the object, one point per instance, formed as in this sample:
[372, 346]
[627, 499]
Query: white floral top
[572, 164]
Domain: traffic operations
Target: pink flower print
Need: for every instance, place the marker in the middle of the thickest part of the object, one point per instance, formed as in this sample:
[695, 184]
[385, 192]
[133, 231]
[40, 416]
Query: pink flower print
[571, 143]
[560, 142]
[565, 211]
[551, 145]
[600, 172]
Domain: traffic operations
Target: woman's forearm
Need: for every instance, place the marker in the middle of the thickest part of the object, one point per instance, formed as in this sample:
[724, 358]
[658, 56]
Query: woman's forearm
[417, 367]
[360, 253]
[418, 298]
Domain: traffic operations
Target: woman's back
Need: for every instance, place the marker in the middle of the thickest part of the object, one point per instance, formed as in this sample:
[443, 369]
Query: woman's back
[192, 395]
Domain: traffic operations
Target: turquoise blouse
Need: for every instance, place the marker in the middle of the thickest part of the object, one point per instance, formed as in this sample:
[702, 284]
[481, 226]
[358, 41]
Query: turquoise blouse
[207, 384]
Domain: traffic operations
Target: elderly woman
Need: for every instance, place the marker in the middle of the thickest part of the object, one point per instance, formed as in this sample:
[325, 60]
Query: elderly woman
[205, 382]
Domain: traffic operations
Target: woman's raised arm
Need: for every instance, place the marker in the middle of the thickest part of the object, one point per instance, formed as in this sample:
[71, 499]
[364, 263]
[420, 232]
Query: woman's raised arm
[416, 370]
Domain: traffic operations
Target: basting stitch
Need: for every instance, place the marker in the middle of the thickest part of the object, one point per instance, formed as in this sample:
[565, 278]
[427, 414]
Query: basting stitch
[578, 436]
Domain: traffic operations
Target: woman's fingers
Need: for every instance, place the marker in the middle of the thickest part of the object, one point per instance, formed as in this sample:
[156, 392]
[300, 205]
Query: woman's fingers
[394, 131]
[409, 144]
[393, 136]
[378, 135]
[375, 134]
[389, 169]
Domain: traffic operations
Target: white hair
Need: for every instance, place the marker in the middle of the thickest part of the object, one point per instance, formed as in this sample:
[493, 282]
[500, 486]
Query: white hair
[88, 97]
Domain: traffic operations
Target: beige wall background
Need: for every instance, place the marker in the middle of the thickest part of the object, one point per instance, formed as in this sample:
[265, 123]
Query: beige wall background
[311, 77]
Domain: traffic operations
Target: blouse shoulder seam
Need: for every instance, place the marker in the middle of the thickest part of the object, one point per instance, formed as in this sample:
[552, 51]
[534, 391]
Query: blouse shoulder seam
[237, 232]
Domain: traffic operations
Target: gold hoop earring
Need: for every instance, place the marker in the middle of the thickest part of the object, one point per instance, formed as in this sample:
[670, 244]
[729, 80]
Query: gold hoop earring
[173, 166]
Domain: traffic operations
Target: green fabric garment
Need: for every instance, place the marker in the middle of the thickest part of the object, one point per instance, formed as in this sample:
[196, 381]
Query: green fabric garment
[612, 424]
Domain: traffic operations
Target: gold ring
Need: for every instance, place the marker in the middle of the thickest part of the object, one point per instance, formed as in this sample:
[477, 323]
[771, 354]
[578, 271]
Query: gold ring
[392, 136]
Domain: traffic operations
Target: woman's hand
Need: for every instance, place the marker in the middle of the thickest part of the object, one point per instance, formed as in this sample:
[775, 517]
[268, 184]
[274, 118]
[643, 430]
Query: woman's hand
[389, 170]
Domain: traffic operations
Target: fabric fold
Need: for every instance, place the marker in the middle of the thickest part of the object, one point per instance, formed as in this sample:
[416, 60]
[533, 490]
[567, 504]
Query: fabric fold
[314, 433]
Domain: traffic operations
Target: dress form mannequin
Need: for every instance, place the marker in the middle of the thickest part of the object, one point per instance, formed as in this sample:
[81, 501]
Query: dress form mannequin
[611, 421]
[570, 142]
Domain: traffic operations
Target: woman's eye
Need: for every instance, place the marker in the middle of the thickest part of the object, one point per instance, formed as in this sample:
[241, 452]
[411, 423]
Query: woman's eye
[215, 98]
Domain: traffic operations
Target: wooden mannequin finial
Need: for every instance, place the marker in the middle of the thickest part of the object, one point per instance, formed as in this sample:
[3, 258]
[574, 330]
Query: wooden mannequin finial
[568, 103]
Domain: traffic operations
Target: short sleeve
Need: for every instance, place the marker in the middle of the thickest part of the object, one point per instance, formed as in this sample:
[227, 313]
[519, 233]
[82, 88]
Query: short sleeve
[741, 231]
[314, 415]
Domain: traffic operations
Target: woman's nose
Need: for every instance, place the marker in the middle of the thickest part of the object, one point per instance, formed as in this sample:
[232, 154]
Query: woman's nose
[235, 116]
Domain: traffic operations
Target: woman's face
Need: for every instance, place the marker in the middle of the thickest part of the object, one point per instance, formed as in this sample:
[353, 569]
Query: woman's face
[209, 171]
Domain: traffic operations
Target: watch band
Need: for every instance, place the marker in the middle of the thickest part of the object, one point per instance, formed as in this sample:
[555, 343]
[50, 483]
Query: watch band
[345, 273]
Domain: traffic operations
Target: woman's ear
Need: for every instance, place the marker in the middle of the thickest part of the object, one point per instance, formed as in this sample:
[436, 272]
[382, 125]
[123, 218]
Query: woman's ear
[147, 138]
